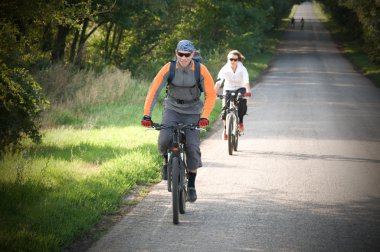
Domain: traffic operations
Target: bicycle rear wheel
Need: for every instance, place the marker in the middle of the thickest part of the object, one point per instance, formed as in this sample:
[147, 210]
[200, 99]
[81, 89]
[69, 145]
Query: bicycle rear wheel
[175, 189]
[230, 138]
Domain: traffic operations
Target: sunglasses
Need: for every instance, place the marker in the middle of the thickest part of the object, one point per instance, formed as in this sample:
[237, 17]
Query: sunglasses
[233, 59]
[183, 54]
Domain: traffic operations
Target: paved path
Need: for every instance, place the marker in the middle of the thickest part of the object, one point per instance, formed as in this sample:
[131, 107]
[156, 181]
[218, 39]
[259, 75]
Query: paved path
[306, 176]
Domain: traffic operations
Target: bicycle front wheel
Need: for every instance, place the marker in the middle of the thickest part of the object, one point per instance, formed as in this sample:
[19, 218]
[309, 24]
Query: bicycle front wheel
[175, 188]
[230, 132]
[183, 188]
[236, 135]
[182, 200]
[236, 141]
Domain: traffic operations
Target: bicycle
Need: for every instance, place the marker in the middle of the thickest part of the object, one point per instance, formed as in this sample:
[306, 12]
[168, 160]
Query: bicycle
[177, 166]
[232, 119]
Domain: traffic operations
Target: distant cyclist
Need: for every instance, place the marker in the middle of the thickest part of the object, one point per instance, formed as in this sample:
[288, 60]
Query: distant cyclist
[182, 105]
[234, 76]
[292, 22]
[302, 23]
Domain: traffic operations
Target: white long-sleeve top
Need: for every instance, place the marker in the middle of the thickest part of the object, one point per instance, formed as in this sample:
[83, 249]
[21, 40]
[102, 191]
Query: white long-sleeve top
[233, 80]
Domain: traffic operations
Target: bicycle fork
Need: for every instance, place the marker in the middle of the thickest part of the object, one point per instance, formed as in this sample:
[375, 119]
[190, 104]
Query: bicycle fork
[169, 167]
[232, 116]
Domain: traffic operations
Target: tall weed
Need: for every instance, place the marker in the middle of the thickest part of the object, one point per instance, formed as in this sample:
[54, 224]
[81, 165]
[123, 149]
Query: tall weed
[74, 94]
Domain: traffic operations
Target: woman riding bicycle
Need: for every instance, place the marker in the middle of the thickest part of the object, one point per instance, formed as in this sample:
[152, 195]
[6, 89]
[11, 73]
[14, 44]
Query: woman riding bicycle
[234, 76]
[182, 105]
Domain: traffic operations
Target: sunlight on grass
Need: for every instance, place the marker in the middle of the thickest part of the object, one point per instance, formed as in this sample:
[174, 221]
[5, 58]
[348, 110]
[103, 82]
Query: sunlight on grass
[126, 137]
[82, 173]
[318, 11]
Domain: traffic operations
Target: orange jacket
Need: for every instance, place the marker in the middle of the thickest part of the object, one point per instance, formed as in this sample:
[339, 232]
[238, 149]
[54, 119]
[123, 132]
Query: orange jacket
[185, 77]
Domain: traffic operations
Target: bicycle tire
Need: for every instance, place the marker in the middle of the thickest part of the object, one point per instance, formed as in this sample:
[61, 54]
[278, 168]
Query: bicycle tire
[236, 135]
[175, 189]
[182, 190]
[236, 141]
[182, 200]
[230, 136]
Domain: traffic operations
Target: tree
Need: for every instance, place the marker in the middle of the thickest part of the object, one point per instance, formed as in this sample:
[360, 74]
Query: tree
[21, 101]
[368, 16]
[361, 19]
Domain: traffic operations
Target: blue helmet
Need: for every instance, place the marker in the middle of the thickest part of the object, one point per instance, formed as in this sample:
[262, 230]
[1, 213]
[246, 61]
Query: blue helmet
[185, 45]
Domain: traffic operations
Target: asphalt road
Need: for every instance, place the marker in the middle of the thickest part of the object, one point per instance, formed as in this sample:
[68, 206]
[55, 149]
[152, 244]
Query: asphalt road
[307, 173]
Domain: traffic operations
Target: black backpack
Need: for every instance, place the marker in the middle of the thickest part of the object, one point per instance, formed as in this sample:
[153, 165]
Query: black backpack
[197, 72]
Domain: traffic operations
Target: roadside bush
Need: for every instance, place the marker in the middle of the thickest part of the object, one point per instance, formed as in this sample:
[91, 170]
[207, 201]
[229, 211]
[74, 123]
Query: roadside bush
[21, 101]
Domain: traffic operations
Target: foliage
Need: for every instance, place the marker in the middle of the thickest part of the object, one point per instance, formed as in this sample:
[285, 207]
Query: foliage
[360, 19]
[354, 50]
[131, 34]
[137, 36]
[21, 103]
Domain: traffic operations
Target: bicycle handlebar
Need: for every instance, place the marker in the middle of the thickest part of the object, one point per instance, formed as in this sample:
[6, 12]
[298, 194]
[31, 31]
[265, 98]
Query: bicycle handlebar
[239, 96]
[192, 126]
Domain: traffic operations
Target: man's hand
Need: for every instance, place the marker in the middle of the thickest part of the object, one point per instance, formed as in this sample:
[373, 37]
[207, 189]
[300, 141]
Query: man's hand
[146, 121]
[247, 94]
[203, 122]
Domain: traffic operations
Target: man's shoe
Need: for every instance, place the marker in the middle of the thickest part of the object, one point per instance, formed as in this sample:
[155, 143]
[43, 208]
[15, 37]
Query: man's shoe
[191, 194]
[241, 127]
[224, 136]
[164, 172]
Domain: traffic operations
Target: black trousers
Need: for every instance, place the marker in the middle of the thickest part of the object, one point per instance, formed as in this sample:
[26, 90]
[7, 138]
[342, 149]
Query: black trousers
[241, 103]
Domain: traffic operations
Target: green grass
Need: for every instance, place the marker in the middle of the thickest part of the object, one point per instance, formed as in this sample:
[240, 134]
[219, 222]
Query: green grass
[93, 152]
[361, 61]
[57, 190]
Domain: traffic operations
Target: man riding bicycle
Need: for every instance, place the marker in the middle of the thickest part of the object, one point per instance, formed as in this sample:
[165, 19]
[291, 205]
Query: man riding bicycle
[182, 105]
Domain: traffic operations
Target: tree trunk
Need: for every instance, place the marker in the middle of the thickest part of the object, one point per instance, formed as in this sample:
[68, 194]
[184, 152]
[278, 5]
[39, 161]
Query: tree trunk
[58, 52]
[82, 39]
[106, 44]
[120, 36]
[47, 40]
[74, 46]
[113, 40]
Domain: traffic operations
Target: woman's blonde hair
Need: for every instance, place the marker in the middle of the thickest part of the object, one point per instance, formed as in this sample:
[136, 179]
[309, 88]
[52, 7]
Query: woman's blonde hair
[236, 53]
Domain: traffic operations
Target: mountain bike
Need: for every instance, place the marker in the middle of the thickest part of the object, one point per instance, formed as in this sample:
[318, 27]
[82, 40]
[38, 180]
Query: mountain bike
[177, 166]
[232, 119]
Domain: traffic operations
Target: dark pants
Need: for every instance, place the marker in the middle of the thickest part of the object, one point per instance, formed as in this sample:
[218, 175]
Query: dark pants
[241, 104]
[193, 152]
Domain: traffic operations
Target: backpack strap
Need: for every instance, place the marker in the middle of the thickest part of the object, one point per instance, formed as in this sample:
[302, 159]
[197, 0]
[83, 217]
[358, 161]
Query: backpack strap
[172, 70]
[197, 72]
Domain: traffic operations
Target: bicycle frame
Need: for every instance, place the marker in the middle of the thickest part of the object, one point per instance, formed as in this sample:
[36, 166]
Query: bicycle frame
[232, 120]
[232, 114]
[177, 149]
[177, 166]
